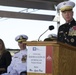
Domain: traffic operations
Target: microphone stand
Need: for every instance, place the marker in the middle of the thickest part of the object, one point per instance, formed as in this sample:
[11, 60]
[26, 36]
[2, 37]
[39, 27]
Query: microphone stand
[42, 34]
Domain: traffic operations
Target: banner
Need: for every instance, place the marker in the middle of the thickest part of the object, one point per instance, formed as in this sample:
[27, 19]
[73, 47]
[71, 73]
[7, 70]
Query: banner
[39, 59]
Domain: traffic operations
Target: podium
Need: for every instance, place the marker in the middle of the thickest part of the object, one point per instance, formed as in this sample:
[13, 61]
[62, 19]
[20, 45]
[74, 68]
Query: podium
[63, 60]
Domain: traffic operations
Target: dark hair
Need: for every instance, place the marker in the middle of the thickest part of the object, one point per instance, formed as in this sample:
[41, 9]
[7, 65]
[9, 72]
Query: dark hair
[3, 45]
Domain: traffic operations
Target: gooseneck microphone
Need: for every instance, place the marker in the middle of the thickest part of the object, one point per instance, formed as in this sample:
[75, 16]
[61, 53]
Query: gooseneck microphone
[50, 28]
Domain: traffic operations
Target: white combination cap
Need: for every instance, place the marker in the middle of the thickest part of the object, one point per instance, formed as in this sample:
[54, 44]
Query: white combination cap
[21, 38]
[52, 36]
[66, 5]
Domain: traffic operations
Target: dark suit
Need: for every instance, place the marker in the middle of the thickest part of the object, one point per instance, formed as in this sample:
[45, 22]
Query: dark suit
[67, 33]
[5, 60]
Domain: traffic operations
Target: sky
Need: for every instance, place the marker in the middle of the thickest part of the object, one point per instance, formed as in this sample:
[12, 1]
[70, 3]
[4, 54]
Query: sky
[10, 28]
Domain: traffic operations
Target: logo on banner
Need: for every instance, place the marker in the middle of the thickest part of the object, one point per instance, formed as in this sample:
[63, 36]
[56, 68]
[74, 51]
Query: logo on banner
[49, 58]
[35, 49]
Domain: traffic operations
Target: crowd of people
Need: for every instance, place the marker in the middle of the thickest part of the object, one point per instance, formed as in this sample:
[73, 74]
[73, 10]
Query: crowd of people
[17, 64]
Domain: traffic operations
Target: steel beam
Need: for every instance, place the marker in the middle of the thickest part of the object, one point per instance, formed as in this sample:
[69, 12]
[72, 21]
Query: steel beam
[26, 16]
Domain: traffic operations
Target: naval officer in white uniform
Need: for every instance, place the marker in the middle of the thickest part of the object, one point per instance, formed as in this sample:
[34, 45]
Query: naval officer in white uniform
[19, 60]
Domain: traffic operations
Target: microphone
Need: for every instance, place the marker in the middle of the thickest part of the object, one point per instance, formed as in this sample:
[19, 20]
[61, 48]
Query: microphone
[50, 28]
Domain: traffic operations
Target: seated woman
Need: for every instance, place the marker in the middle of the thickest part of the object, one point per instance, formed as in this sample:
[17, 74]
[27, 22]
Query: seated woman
[5, 58]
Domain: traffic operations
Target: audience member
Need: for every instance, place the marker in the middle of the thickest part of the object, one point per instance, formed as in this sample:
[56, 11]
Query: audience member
[5, 58]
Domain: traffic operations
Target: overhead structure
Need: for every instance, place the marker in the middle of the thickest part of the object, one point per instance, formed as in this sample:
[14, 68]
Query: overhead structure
[35, 4]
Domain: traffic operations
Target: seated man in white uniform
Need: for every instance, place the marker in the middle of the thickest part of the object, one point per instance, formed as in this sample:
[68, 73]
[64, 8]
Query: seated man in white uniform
[19, 62]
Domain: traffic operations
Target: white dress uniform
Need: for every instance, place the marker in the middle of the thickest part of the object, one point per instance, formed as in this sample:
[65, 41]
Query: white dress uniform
[18, 64]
